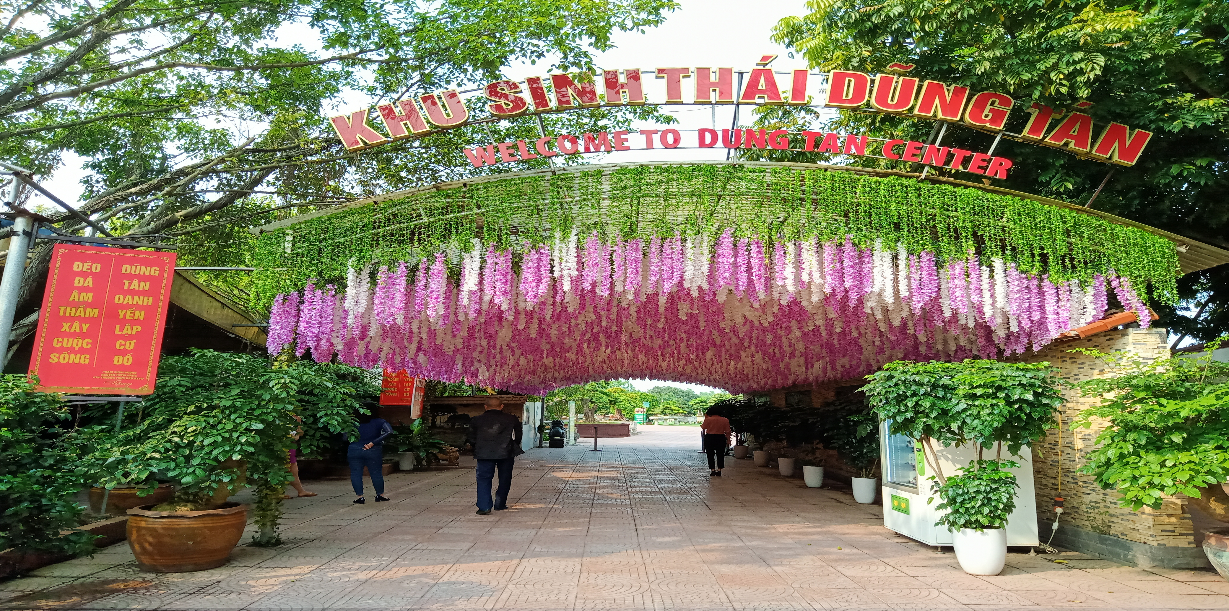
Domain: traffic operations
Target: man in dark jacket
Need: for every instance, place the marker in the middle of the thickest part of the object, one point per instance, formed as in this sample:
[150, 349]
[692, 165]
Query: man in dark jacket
[496, 438]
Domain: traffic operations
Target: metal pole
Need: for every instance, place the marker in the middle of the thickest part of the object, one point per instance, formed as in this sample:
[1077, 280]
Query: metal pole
[14, 269]
[119, 420]
[571, 423]
[734, 122]
[595, 440]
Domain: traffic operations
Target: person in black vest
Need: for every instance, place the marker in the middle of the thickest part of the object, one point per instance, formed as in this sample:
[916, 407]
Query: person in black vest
[496, 439]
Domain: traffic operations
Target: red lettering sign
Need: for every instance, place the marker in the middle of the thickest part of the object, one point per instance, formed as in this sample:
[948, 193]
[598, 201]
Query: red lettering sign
[100, 329]
[398, 388]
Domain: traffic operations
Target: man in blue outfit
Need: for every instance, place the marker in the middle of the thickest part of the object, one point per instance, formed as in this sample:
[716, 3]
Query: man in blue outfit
[496, 439]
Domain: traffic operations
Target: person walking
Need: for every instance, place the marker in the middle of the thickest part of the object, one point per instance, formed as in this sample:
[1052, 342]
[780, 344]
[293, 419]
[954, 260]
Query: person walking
[368, 451]
[496, 439]
[716, 431]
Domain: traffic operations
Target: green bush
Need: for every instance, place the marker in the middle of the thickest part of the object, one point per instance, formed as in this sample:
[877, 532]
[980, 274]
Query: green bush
[979, 496]
[217, 418]
[1168, 429]
[852, 429]
[38, 478]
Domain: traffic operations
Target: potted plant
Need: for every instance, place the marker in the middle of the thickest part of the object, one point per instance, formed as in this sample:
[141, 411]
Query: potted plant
[785, 462]
[854, 434]
[740, 446]
[813, 471]
[979, 498]
[214, 422]
[990, 405]
[1164, 434]
[416, 445]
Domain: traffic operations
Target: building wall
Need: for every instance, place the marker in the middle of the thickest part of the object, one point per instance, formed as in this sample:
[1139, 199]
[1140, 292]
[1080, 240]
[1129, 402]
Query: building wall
[1056, 460]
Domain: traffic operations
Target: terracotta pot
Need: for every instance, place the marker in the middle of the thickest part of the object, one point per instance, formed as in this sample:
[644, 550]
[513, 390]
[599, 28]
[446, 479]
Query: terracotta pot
[122, 499]
[740, 452]
[1216, 546]
[179, 541]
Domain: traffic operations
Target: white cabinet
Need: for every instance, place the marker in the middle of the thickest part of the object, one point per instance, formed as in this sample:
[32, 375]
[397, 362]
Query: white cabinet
[909, 505]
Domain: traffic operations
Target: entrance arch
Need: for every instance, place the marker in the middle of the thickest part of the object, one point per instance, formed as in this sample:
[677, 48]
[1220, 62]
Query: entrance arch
[746, 276]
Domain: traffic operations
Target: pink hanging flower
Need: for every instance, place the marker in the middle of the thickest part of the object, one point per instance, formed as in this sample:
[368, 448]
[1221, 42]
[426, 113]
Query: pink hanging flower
[655, 265]
[724, 269]
[632, 259]
[1100, 299]
[283, 317]
[759, 270]
[435, 291]
[740, 267]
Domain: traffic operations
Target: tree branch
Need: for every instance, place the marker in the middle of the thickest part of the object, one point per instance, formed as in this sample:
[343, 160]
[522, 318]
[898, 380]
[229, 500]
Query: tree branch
[119, 6]
[76, 91]
[54, 70]
[72, 124]
[195, 211]
[17, 17]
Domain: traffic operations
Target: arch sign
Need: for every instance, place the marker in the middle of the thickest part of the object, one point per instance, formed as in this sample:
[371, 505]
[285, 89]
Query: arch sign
[892, 92]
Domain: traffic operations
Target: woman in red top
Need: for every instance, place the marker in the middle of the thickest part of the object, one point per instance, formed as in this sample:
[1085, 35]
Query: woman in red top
[716, 431]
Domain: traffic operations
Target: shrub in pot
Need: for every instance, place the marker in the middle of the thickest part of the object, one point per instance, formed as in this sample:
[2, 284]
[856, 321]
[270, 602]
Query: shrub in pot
[979, 499]
[785, 464]
[993, 406]
[417, 445]
[38, 478]
[216, 419]
[1165, 433]
[813, 472]
[854, 434]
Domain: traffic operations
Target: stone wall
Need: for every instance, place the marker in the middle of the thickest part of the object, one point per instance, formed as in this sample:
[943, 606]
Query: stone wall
[1092, 518]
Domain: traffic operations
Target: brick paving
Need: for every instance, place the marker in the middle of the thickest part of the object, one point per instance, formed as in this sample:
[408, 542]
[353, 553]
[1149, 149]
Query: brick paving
[637, 526]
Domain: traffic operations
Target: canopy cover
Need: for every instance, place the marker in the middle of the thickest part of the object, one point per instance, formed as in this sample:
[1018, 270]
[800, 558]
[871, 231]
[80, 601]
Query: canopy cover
[739, 276]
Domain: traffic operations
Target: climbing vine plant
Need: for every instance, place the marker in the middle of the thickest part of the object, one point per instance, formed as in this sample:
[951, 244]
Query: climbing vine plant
[769, 204]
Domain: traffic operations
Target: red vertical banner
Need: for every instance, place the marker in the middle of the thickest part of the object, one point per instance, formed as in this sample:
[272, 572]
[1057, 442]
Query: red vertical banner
[398, 388]
[100, 328]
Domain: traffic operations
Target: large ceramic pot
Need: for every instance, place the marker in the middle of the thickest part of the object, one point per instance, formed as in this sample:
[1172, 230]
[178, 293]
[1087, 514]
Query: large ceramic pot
[981, 553]
[786, 466]
[121, 500]
[760, 458]
[179, 541]
[813, 476]
[405, 461]
[740, 452]
[865, 489]
[1216, 546]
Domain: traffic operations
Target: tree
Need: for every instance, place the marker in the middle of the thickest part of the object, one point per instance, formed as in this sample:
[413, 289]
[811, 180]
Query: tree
[1156, 66]
[207, 116]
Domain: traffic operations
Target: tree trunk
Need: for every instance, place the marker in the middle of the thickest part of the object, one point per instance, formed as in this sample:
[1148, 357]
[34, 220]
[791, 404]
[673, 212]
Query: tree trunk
[1214, 502]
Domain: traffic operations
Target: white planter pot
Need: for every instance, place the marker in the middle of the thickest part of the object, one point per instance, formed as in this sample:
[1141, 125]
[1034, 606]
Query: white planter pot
[865, 489]
[813, 476]
[981, 553]
[405, 461]
[786, 465]
[760, 458]
[740, 452]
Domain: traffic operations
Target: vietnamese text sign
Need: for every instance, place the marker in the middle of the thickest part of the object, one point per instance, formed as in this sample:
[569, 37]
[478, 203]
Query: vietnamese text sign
[398, 388]
[100, 329]
[895, 90]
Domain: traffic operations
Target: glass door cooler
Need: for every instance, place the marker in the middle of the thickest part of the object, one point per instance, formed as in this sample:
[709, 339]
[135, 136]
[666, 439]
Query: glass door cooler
[909, 505]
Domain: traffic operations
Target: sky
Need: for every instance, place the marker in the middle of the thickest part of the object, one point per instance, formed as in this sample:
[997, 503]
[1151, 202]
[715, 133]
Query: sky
[728, 33]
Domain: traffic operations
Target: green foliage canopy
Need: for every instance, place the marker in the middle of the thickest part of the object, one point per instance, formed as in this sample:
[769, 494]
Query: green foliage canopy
[1159, 66]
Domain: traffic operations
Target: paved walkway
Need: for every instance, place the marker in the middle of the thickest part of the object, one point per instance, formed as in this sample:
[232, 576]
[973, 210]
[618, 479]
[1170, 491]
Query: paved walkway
[637, 526]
